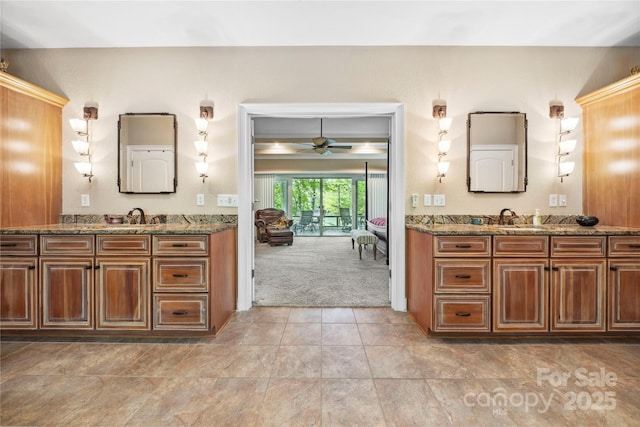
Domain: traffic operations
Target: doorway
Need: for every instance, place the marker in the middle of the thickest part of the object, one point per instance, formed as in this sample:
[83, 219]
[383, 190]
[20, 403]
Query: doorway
[396, 249]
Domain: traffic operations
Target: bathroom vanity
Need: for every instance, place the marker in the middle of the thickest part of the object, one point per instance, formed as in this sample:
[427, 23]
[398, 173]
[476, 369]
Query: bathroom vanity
[523, 280]
[142, 280]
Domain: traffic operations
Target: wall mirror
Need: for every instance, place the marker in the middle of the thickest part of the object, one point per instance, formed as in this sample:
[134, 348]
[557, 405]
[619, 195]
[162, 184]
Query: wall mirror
[147, 153]
[497, 152]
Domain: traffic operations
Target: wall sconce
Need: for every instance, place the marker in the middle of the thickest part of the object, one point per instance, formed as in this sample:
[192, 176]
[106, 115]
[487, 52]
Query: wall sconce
[202, 123]
[81, 127]
[443, 144]
[565, 147]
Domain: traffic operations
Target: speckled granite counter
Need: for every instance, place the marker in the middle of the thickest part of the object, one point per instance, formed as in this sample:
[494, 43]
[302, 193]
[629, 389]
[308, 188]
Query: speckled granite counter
[524, 229]
[119, 229]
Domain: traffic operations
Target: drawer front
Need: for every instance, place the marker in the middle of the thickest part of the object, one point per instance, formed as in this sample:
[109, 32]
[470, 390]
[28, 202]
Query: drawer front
[123, 245]
[462, 246]
[627, 246]
[177, 311]
[181, 274]
[456, 275]
[578, 246]
[461, 313]
[54, 244]
[181, 245]
[18, 245]
[521, 246]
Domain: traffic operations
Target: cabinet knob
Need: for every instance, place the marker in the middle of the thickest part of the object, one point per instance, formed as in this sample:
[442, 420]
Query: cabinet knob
[555, 269]
[32, 267]
[612, 268]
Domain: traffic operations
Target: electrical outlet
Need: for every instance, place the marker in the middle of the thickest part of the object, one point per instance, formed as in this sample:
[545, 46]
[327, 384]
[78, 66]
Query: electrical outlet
[85, 201]
[553, 200]
[562, 200]
[438, 200]
[200, 199]
[414, 200]
[427, 199]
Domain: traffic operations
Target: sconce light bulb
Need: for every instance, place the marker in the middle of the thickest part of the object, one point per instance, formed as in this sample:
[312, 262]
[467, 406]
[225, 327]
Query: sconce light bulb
[79, 126]
[81, 147]
[443, 168]
[83, 168]
[201, 147]
[566, 168]
[202, 168]
[567, 147]
[202, 125]
[445, 124]
[444, 146]
[568, 124]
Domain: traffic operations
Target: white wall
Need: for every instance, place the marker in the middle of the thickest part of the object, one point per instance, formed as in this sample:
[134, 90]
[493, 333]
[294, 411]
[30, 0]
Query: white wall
[177, 80]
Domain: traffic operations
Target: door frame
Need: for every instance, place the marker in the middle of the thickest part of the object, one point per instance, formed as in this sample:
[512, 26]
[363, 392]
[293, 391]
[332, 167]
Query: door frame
[396, 244]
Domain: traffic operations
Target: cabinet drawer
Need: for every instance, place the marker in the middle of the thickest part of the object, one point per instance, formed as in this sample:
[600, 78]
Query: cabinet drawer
[456, 275]
[578, 246]
[461, 313]
[181, 274]
[463, 246]
[181, 245]
[178, 311]
[123, 245]
[18, 245]
[627, 246]
[54, 244]
[521, 246]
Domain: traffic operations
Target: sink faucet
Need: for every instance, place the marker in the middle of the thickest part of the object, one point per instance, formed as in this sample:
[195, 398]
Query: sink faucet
[502, 212]
[142, 218]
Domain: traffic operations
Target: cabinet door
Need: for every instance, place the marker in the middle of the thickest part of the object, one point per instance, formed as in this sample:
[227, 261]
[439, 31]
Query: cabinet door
[624, 295]
[18, 300]
[577, 295]
[520, 295]
[66, 293]
[123, 293]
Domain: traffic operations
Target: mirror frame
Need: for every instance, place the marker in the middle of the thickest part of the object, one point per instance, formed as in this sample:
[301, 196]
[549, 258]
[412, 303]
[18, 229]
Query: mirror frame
[524, 181]
[175, 153]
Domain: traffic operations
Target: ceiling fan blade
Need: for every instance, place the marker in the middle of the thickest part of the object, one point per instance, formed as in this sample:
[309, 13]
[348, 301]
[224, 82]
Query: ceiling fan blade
[319, 141]
[341, 147]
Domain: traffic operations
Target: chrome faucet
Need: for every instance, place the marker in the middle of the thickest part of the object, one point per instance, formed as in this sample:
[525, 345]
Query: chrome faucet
[142, 218]
[502, 212]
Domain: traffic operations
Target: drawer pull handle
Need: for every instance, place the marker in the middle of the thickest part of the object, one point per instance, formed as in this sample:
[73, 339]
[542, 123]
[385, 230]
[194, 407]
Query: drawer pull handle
[463, 276]
[613, 268]
[547, 269]
[32, 267]
[463, 313]
[179, 245]
[634, 246]
[9, 245]
[88, 267]
[180, 312]
[463, 246]
[555, 268]
[180, 275]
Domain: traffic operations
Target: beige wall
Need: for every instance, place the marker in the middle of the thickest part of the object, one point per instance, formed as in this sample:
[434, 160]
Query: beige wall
[177, 80]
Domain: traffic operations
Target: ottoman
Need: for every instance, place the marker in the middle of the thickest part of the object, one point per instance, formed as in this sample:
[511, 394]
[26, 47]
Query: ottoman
[363, 237]
[276, 236]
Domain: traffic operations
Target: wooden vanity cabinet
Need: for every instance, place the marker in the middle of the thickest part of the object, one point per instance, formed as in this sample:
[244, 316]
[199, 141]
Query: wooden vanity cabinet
[18, 282]
[520, 283]
[578, 283]
[624, 283]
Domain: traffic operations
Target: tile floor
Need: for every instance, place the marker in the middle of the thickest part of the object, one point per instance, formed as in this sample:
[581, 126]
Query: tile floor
[312, 367]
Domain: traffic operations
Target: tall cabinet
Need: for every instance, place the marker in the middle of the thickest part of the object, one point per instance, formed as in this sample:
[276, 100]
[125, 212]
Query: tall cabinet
[30, 153]
[611, 178]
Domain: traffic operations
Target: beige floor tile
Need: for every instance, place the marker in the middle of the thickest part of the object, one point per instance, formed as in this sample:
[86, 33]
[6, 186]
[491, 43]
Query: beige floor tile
[232, 334]
[302, 334]
[8, 347]
[351, 402]
[340, 334]
[298, 362]
[305, 315]
[159, 361]
[379, 334]
[407, 402]
[264, 334]
[392, 362]
[338, 315]
[234, 402]
[301, 407]
[344, 362]
[380, 315]
[217, 361]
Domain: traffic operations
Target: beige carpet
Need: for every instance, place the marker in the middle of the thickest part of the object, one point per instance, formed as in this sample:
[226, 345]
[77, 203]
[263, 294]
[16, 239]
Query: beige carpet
[320, 272]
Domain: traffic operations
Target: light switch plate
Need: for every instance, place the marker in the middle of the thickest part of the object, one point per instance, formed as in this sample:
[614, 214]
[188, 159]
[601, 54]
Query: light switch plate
[427, 200]
[414, 200]
[85, 201]
[553, 200]
[228, 200]
[200, 199]
[438, 200]
[562, 200]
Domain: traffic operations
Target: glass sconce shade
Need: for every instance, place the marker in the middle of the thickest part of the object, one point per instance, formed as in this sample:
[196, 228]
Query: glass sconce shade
[79, 126]
[445, 124]
[83, 168]
[202, 125]
[567, 147]
[202, 168]
[566, 168]
[81, 147]
[201, 147]
[443, 168]
[443, 146]
[568, 124]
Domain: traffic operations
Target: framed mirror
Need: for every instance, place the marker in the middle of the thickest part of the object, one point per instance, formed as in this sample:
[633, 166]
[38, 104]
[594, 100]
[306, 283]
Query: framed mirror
[497, 152]
[147, 146]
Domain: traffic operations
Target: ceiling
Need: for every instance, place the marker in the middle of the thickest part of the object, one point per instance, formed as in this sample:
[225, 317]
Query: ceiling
[26, 24]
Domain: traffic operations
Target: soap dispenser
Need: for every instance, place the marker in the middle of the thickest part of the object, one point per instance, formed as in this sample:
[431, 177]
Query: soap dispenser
[537, 218]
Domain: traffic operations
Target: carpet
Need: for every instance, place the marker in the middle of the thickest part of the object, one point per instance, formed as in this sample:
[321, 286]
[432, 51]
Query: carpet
[320, 272]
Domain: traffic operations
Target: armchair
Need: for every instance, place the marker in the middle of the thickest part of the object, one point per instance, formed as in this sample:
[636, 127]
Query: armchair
[273, 220]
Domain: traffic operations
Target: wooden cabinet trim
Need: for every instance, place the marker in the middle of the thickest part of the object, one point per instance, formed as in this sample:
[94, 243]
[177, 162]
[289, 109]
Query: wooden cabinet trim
[578, 246]
[179, 245]
[139, 245]
[29, 89]
[461, 313]
[624, 246]
[462, 246]
[455, 275]
[181, 274]
[521, 246]
[624, 294]
[18, 293]
[22, 245]
[181, 311]
[67, 244]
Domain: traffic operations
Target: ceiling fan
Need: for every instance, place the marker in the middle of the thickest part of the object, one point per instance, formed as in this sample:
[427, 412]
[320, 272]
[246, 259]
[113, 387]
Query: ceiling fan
[321, 144]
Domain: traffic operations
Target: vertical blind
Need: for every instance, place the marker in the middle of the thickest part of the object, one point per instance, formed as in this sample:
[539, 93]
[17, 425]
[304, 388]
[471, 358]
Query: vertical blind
[377, 195]
[263, 190]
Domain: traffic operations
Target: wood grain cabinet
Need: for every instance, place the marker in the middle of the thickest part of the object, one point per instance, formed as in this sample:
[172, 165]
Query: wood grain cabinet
[18, 280]
[520, 283]
[624, 283]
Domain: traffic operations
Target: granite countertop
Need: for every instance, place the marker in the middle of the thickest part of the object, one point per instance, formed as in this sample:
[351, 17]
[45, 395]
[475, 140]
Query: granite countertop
[524, 229]
[119, 229]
